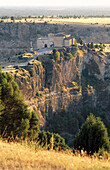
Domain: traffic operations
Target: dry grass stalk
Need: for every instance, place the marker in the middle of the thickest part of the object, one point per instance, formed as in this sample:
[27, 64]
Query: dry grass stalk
[17, 156]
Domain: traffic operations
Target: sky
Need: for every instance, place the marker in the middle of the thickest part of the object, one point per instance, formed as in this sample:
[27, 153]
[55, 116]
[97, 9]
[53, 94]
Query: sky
[63, 3]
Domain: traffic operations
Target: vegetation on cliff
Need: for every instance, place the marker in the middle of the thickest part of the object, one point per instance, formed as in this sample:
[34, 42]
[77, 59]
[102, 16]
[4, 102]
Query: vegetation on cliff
[65, 53]
[65, 91]
[15, 118]
[17, 121]
[65, 88]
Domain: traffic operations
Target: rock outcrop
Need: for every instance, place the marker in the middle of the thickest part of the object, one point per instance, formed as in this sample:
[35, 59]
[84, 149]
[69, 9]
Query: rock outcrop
[64, 93]
[96, 78]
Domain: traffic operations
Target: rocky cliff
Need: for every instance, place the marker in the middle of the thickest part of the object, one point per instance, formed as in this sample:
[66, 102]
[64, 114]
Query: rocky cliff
[96, 78]
[63, 93]
[56, 81]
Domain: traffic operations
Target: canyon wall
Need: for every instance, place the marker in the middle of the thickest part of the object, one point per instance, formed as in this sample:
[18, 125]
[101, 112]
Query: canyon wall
[64, 93]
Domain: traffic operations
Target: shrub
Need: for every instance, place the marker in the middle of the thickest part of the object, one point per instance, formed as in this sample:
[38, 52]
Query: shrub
[69, 56]
[57, 56]
[92, 136]
[80, 41]
[51, 141]
[31, 73]
[39, 94]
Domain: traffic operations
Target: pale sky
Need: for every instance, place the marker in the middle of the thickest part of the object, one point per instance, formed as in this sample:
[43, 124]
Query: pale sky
[63, 3]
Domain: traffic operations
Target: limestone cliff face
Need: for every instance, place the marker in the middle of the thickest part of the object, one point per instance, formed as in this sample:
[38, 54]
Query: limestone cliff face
[96, 72]
[96, 79]
[30, 79]
[79, 86]
[60, 74]
[48, 74]
[54, 80]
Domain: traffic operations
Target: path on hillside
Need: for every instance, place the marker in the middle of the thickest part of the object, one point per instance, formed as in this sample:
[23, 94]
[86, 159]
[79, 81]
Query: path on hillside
[9, 67]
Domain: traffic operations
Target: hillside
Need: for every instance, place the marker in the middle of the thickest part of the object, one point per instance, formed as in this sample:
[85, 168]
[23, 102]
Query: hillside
[16, 156]
[65, 92]
[16, 37]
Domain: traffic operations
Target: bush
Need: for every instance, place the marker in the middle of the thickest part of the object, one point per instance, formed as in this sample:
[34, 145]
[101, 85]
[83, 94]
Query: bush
[80, 41]
[56, 55]
[39, 94]
[69, 56]
[31, 73]
[20, 57]
[92, 136]
[51, 141]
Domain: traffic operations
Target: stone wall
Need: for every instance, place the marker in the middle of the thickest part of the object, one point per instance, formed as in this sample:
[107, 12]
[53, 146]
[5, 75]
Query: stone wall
[43, 43]
[67, 42]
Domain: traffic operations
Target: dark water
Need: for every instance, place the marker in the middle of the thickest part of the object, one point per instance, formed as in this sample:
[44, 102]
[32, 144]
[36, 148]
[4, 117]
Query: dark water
[54, 11]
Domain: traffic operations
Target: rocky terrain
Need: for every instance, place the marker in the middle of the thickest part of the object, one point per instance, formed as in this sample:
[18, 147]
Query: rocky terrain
[16, 37]
[54, 80]
[63, 93]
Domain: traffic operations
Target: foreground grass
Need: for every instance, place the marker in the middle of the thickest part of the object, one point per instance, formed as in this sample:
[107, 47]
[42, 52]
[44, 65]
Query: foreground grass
[16, 156]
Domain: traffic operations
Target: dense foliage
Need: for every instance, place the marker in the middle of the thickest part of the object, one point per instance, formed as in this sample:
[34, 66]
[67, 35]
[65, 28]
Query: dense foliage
[56, 55]
[15, 118]
[65, 121]
[80, 41]
[92, 136]
[51, 141]
[17, 121]
[66, 54]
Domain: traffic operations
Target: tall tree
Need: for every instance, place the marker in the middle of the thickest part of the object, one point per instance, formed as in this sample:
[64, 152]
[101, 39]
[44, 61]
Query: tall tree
[34, 125]
[15, 117]
[80, 41]
[56, 55]
[92, 136]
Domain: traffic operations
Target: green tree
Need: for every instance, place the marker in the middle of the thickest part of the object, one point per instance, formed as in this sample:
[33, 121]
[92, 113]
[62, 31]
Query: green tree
[92, 45]
[96, 46]
[62, 54]
[13, 18]
[89, 45]
[45, 140]
[80, 41]
[24, 128]
[42, 138]
[56, 55]
[92, 136]
[69, 56]
[15, 118]
[34, 125]
[1, 106]
[54, 51]
[76, 45]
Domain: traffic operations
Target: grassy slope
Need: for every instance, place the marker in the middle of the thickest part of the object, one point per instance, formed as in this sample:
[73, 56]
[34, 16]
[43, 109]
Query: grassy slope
[16, 156]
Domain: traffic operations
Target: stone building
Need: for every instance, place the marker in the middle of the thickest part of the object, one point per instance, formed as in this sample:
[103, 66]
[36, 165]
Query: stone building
[55, 40]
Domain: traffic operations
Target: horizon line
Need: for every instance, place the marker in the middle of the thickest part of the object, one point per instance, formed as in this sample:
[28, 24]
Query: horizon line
[49, 6]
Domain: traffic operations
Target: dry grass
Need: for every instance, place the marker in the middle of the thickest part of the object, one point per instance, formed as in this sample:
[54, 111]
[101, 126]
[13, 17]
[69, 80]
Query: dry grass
[82, 20]
[16, 156]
